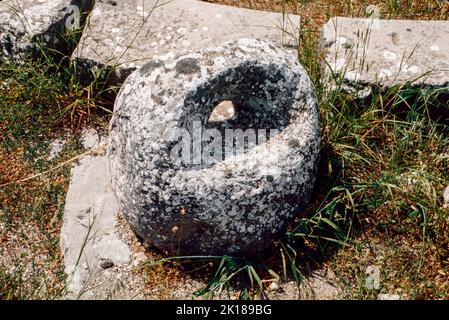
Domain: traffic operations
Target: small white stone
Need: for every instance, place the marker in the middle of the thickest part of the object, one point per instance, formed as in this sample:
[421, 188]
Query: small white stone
[55, 148]
[205, 28]
[389, 55]
[90, 138]
[186, 43]
[181, 30]
[434, 47]
[222, 112]
[109, 42]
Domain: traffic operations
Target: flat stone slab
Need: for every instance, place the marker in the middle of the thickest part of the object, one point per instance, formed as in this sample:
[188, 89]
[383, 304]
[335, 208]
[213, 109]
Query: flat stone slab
[89, 240]
[26, 25]
[386, 52]
[127, 34]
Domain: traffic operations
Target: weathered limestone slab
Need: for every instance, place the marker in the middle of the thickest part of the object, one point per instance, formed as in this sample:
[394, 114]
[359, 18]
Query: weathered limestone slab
[386, 52]
[26, 25]
[89, 241]
[127, 34]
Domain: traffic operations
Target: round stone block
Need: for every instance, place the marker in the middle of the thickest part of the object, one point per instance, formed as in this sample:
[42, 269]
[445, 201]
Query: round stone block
[193, 186]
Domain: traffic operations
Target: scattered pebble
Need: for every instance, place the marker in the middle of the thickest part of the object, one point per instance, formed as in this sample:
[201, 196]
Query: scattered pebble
[373, 11]
[91, 138]
[446, 198]
[388, 296]
[274, 286]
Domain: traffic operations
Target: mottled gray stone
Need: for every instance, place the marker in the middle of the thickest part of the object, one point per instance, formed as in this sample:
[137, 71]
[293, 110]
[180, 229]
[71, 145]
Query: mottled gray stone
[124, 35]
[385, 52]
[88, 236]
[234, 206]
[28, 25]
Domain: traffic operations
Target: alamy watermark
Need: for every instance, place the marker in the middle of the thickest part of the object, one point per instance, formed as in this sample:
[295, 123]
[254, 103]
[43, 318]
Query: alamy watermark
[208, 146]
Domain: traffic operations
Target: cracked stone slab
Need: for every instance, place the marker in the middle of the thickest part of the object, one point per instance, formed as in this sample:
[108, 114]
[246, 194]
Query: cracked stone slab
[386, 52]
[89, 240]
[27, 25]
[127, 34]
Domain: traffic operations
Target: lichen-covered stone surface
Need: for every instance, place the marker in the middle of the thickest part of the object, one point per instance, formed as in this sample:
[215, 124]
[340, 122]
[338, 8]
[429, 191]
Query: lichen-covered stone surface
[29, 25]
[124, 35]
[88, 236]
[238, 204]
[385, 52]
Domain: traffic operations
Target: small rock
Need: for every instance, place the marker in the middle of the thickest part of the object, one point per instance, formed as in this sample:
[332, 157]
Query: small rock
[388, 41]
[252, 195]
[274, 286]
[408, 180]
[106, 264]
[372, 280]
[26, 26]
[223, 111]
[55, 148]
[90, 203]
[388, 296]
[446, 198]
[91, 138]
[94, 46]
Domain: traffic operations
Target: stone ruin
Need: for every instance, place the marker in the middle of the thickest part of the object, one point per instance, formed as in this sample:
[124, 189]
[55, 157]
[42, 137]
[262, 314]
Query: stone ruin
[194, 51]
